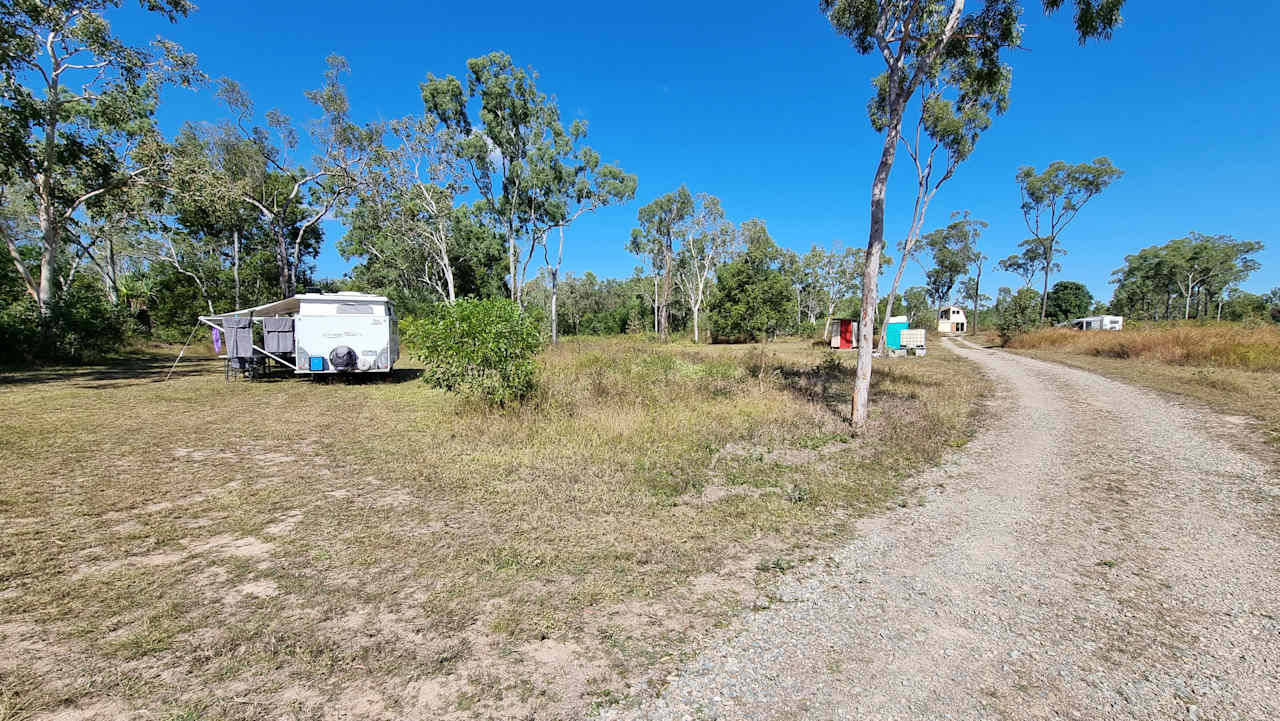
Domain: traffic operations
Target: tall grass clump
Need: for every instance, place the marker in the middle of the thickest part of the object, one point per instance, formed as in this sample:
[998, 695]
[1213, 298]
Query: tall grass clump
[1218, 345]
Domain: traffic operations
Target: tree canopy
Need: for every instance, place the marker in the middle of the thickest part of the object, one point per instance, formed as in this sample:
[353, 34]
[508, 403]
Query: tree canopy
[915, 39]
[1195, 272]
[1068, 300]
[753, 298]
[1051, 200]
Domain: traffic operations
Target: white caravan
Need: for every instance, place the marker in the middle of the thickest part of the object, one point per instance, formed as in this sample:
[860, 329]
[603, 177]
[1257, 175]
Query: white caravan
[314, 333]
[1096, 322]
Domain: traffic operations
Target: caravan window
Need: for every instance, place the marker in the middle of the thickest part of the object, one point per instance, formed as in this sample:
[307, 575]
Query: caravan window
[354, 309]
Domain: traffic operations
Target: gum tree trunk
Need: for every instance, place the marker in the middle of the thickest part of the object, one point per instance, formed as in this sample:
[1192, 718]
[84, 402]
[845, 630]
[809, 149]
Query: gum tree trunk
[875, 248]
[235, 267]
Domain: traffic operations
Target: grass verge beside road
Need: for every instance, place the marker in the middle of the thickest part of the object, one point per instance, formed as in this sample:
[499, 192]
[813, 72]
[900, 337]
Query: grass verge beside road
[318, 550]
[1232, 367]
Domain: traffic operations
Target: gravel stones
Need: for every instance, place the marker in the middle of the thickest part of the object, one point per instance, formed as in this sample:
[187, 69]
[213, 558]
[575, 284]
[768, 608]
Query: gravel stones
[1093, 554]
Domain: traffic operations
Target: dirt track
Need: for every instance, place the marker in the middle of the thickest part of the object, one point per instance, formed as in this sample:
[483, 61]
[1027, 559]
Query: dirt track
[1094, 554]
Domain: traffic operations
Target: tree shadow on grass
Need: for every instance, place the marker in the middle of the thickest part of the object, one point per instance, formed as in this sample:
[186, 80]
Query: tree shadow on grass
[830, 383]
[132, 368]
[151, 367]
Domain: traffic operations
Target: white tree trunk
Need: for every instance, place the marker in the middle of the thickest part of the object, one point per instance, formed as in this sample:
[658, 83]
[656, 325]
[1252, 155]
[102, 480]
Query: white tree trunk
[555, 321]
[235, 266]
[871, 272]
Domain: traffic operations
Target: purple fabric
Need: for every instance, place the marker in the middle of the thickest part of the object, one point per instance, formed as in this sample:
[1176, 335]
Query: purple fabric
[217, 341]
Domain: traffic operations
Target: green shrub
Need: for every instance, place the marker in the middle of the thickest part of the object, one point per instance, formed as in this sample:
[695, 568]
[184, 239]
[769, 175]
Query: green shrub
[752, 298]
[80, 325]
[1019, 314]
[484, 348]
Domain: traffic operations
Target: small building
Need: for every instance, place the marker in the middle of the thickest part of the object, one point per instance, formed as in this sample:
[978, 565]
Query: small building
[951, 319]
[844, 335]
[1097, 322]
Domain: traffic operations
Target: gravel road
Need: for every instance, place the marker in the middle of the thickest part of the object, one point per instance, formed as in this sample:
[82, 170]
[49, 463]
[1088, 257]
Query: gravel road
[1094, 554]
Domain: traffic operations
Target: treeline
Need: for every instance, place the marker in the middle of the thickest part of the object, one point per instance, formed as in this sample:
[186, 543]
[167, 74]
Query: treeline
[107, 222]
[727, 282]
[1197, 276]
[114, 230]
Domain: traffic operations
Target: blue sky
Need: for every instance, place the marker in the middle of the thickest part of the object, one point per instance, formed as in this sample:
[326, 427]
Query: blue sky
[763, 105]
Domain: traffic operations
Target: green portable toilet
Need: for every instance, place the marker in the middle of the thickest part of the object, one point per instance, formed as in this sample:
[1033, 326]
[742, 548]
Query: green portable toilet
[897, 324]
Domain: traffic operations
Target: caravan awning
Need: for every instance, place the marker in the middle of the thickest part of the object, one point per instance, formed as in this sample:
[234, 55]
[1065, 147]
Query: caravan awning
[279, 307]
[291, 305]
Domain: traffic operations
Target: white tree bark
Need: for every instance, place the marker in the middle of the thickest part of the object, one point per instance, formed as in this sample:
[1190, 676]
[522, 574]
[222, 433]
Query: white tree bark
[897, 69]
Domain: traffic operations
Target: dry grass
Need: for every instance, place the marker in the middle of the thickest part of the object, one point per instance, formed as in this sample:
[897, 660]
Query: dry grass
[1215, 345]
[1232, 367]
[321, 550]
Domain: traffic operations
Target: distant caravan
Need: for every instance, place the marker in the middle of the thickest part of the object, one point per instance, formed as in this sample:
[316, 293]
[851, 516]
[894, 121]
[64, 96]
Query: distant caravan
[1095, 322]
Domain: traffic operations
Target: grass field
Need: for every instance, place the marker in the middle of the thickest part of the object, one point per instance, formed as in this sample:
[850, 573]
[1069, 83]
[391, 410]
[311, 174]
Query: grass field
[293, 549]
[1233, 367]
[1215, 345]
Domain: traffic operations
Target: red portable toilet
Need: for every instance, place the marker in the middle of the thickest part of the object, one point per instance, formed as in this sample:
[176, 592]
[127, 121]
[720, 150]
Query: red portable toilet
[843, 338]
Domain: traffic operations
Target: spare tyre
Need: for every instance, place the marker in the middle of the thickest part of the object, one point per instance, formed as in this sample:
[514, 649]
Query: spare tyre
[343, 358]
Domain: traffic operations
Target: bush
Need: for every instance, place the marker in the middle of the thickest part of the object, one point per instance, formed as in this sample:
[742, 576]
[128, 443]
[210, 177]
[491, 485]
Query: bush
[483, 348]
[79, 326]
[1019, 314]
[752, 298]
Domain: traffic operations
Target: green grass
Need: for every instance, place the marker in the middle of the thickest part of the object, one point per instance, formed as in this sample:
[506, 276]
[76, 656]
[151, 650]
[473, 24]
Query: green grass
[213, 550]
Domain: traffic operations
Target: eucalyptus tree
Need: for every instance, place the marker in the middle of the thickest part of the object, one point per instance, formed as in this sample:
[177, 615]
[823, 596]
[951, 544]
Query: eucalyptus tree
[954, 249]
[115, 229]
[567, 181]
[515, 123]
[839, 274]
[1052, 199]
[970, 289]
[1230, 263]
[1025, 265]
[944, 124]
[711, 241]
[812, 297]
[973, 288]
[1002, 296]
[1144, 285]
[277, 188]
[914, 38]
[76, 107]
[664, 224]
[405, 207]
[210, 167]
